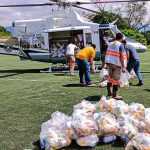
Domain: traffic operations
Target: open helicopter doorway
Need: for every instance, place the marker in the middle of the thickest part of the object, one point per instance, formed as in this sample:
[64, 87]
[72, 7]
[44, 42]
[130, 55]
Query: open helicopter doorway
[58, 41]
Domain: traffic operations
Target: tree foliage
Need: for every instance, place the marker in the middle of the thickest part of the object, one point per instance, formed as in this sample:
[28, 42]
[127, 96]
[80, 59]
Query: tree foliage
[147, 36]
[135, 14]
[108, 17]
[4, 32]
[134, 34]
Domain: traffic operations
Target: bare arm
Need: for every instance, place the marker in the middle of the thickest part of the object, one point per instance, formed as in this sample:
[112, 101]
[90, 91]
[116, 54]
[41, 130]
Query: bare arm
[91, 61]
[123, 59]
[91, 64]
[128, 55]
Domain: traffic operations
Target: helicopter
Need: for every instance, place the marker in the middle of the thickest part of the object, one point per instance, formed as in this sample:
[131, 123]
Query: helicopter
[46, 39]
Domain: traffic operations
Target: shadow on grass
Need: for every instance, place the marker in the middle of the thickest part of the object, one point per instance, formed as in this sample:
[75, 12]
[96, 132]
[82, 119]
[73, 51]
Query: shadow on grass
[61, 74]
[74, 85]
[118, 143]
[145, 71]
[9, 75]
[147, 90]
[93, 98]
[24, 71]
[37, 145]
[21, 71]
[18, 72]
[73, 146]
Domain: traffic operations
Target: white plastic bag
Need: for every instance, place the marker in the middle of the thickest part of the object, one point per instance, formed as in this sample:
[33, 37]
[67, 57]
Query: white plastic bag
[128, 75]
[90, 140]
[85, 108]
[124, 83]
[127, 128]
[104, 74]
[140, 142]
[107, 124]
[137, 111]
[119, 107]
[84, 126]
[132, 74]
[56, 131]
[55, 139]
[104, 104]
[103, 83]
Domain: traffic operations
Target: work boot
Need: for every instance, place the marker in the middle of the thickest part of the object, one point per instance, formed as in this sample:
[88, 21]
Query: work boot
[140, 83]
[109, 89]
[115, 91]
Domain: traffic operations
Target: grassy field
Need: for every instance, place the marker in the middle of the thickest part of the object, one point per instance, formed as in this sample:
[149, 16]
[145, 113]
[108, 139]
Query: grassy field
[27, 98]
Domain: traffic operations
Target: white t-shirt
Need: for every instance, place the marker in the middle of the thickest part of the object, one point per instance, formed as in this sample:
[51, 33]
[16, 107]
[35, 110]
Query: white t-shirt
[70, 49]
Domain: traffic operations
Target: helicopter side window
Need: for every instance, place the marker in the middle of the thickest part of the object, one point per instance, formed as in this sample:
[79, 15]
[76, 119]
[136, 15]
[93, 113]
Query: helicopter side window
[88, 38]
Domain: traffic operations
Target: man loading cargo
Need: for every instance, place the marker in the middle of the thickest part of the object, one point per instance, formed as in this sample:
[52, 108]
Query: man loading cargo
[133, 61]
[85, 60]
[71, 48]
[116, 61]
[105, 40]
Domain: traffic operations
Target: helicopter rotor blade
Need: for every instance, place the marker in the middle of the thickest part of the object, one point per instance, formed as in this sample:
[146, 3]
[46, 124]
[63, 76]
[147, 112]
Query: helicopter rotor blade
[93, 11]
[109, 1]
[74, 4]
[28, 5]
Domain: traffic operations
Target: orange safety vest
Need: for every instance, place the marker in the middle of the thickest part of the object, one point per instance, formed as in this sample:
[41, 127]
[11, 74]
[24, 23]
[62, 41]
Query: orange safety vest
[113, 54]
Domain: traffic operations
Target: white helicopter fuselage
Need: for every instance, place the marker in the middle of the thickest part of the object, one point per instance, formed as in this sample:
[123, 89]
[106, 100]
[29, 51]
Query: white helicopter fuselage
[46, 39]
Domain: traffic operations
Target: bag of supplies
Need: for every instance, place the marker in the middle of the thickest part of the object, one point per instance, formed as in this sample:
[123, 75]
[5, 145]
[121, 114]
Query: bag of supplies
[104, 74]
[124, 83]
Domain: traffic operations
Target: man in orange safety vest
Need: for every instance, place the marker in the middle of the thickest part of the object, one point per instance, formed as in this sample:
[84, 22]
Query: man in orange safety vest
[116, 60]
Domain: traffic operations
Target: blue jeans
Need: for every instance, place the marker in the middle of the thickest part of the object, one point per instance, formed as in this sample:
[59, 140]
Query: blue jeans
[84, 71]
[135, 65]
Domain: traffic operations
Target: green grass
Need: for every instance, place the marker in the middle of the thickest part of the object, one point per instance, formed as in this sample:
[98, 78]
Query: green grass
[148, 46]
[27, 98]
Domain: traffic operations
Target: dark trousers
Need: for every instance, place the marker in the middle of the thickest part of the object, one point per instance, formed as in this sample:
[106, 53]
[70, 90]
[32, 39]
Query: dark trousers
[135, 65]
[84, 71]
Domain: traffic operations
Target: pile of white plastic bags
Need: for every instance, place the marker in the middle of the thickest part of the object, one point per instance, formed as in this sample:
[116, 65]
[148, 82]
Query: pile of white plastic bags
[106, 120]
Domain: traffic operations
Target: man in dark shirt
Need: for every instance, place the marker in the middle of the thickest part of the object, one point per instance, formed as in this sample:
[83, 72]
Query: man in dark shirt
[105, 40]
[133, 61]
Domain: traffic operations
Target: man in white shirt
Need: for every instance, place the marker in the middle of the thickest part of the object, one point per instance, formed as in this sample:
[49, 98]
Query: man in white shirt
[71, 48]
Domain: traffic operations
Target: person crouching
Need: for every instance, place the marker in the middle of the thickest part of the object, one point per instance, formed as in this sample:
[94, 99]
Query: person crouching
[85, 59]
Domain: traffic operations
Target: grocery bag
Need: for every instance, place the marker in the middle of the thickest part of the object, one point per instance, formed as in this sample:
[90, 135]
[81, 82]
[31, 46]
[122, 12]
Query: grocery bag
[128, 74]
[104, 74]
[132, 74]
[140, 142]
[124, 83]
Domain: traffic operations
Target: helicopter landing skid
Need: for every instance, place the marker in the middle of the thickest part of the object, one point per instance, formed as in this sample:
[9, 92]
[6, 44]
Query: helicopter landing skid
[64, 69]
[47, 71]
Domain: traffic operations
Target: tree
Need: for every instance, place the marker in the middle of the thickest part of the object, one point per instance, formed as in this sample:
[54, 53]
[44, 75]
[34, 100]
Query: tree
[147, 36]
[135, 14]
[2, 29]
[134, 34]
[106, 7]
[4, 32]
[108, 17]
